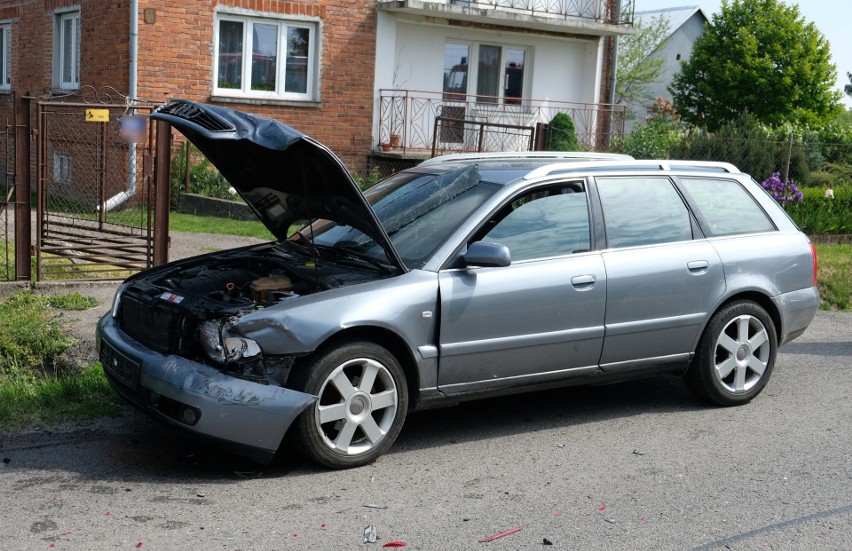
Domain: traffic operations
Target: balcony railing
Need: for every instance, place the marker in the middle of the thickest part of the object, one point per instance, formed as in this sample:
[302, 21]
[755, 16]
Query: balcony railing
[418, 122]
[601, 11]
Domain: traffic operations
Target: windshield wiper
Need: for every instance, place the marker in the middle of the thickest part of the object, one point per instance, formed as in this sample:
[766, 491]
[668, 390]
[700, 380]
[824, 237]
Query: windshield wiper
[344, 252]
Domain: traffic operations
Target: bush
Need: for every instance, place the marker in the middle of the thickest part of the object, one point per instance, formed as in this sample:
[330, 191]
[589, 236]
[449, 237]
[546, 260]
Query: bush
[748, 145]
[819, 214]
[31, 337]
[561, 134]
[659, 135]
[204, 178]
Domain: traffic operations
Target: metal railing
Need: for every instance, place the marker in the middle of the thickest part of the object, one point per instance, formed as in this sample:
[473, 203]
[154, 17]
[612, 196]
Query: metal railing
[603, 11]
[407, 120]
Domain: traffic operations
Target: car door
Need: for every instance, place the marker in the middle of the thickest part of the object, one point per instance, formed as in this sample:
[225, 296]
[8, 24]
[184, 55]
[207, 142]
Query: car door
[663, 277]
[538, 319]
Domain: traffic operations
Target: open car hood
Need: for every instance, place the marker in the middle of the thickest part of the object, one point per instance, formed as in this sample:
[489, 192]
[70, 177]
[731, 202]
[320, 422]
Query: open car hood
[283, 175]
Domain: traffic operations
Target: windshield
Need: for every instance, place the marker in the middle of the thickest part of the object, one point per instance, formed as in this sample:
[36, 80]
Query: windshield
[418, 212]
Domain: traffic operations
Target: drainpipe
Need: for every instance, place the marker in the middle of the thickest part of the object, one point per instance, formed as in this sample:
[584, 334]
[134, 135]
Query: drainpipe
[122, 196]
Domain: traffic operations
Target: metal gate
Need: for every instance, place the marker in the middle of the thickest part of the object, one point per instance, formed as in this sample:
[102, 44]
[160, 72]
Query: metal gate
[94, 176]
[7, 203]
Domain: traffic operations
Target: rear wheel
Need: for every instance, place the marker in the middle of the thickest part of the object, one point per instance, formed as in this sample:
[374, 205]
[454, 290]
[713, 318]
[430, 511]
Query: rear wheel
[363, 400]
[735, 356]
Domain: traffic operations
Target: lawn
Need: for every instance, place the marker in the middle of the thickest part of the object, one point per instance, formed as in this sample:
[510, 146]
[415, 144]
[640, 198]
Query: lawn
[834, 277]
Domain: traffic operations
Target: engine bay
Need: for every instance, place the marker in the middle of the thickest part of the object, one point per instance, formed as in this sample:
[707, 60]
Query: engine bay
[190, 307]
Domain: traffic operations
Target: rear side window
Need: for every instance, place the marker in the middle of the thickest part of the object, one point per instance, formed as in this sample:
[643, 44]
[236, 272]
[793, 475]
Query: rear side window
[727, 207]
[643, 211]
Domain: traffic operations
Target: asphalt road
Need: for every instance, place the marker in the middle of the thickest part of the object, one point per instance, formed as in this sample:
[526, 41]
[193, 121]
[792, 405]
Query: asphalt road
[632, 466]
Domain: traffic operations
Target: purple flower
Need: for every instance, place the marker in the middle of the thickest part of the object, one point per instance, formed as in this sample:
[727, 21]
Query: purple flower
[783, 192]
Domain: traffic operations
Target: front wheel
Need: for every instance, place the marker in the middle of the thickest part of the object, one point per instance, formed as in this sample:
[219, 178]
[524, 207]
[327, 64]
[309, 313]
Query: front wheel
[363, 400]
[735, 355]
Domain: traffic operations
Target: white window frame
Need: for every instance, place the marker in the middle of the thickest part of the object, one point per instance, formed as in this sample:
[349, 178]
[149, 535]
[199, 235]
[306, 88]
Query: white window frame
[6, 53]
[283, 24]
[473, 67]
[59, 50]
[61, 168]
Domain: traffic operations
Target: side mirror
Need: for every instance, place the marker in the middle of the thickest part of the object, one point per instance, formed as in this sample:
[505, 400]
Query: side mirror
[483, 253]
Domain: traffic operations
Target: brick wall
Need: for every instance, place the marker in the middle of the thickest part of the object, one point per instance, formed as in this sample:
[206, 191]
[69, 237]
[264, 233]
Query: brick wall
[176, 60]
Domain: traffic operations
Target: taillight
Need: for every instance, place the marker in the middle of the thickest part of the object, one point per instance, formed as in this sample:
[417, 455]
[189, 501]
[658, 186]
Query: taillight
[814, 258]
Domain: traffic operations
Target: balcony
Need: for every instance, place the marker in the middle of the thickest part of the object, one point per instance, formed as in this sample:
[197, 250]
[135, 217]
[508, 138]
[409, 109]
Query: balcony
[416, 124]
[589, 17]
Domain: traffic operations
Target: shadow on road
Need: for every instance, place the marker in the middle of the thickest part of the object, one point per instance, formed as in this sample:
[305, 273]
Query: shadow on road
[138, 448]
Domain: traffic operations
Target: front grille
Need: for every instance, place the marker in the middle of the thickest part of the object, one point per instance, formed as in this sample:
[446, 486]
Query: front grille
[157, 326]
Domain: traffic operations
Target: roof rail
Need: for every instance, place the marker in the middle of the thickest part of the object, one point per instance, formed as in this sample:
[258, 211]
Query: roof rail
[701, 166]
[555, 155]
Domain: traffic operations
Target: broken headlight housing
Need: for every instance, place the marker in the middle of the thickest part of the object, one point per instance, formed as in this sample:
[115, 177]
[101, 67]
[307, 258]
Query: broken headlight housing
[223, 345]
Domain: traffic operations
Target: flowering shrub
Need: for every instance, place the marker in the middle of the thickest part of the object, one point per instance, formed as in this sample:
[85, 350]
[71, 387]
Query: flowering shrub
[783, 192]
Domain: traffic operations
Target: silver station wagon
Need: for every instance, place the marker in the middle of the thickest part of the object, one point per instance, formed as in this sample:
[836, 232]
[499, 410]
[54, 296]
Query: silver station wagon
[464, 277]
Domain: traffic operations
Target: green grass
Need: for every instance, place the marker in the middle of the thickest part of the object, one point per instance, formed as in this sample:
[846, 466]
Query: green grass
[26, 400]
[36, 383]
[72, 301]
[835, 276]
[210, 224]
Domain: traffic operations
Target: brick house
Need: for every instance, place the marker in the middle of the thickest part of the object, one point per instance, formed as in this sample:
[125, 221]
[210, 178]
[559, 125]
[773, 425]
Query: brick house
[352, 73]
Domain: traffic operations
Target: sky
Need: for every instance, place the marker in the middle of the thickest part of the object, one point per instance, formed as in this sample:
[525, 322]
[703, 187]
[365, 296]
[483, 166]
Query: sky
[829, 16]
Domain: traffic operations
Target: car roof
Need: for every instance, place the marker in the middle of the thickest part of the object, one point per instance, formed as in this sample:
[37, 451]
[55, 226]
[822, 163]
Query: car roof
[551, 156]
[502, 168]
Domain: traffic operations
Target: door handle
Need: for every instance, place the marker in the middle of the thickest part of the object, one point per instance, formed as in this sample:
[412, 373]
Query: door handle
[698, 266]
[583, 282]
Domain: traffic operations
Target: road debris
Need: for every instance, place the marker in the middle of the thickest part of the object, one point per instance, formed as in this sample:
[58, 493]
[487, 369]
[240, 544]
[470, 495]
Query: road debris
[508, 532]
[370, 534]
[546, 541]
[610, 520]
[394, 544]
[375, 506]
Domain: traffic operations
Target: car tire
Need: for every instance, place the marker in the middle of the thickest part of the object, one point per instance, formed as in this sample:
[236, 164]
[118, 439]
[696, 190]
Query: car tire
[735, 356]
[362, 404]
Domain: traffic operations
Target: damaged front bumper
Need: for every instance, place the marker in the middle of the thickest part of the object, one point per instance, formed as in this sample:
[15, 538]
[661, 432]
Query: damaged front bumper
[250, 418]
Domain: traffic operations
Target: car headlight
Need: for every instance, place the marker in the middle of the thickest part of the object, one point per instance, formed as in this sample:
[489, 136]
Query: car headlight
[116, 300]
[223, 345]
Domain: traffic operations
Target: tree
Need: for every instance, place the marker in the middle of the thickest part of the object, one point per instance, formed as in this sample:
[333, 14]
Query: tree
[636, 68]
[760, 57]
[848, 87]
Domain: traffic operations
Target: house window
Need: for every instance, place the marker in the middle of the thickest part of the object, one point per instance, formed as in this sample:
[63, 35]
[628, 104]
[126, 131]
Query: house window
[498, 71]
[67, 50]
[261, 57]
[61, 168]
[5, 57]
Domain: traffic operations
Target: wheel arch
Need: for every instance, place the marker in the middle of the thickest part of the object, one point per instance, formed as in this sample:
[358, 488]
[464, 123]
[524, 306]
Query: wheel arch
[386, 338]
[757, 297]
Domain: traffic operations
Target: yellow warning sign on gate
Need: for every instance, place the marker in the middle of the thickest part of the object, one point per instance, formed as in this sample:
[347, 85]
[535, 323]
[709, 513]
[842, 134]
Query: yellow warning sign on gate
[97, 115]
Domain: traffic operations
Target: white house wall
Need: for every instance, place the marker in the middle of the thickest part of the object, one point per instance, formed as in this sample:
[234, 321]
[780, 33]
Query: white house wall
[410, 56]
[676, 50]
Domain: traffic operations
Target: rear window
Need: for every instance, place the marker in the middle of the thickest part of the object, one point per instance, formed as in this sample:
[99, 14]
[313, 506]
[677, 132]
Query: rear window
[727, 208]
[643, 211]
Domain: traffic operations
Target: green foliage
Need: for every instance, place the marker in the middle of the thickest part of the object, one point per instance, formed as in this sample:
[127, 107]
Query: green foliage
[561, 134]
[834, 277]
[367, 179]
[659, 135]
[817, 214]
[72, 301]
[26, 399]
[637, 68]
[748, 145]
[204, 178]
[757, 56]
[31, 337]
